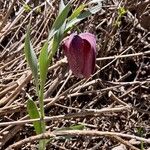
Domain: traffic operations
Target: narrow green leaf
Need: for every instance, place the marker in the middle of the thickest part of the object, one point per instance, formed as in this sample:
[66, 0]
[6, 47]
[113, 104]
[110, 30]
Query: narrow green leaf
[76, 12]
[55, 44]
[96, 8]
[76, 20]
[82, 14]
[34, 114]
[43, 64]
[59, 21]
[61, 17]
[61, 6]
[43, 67]
[58, 36]
[31, 57]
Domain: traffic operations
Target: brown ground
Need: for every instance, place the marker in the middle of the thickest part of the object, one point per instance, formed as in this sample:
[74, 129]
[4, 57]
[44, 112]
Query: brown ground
[115, 99]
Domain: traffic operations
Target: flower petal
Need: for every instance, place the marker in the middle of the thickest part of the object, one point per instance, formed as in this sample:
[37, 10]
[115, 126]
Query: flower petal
[66, 43]
[81, 53]
[89, 60]
[90, 38]
[74, 53]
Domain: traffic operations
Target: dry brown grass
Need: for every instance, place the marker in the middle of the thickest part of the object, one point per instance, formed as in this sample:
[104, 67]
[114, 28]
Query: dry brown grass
[113, 105]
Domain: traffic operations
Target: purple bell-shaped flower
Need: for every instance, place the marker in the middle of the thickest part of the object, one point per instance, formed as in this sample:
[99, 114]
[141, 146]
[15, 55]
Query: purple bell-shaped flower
[80, 51]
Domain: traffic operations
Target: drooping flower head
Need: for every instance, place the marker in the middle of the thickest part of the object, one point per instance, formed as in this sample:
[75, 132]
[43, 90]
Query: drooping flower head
[80, 51]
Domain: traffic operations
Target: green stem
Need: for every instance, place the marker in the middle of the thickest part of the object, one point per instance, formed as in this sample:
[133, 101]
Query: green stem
[42, 143]
[41, 102]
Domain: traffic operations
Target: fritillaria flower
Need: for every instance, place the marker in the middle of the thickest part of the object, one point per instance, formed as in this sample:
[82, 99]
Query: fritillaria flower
[80, 51]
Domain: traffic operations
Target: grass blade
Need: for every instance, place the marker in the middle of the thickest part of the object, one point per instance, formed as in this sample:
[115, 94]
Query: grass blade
[31, 58]
[97, 7]
[43, 64]
[43, 67]
[58, 36]
[78, 15]
[76, 12]
[60, 19]
[61, 6]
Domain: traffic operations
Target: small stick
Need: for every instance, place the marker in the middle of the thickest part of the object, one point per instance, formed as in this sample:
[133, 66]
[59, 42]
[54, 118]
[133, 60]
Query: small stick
[91, 133]
[124, 56]
[7, 15]
[86, 113]
[128, 144]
